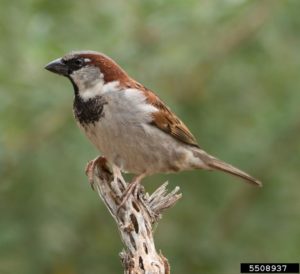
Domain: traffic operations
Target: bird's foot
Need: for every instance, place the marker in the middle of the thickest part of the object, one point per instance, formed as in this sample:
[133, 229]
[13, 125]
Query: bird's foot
[90, 167]
[132, 188]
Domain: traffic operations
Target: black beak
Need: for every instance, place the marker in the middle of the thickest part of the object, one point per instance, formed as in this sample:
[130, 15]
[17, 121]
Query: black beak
[58, 66]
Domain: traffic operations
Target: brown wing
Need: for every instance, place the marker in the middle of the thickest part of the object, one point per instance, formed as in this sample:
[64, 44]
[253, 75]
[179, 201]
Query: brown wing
[168, 122]
[164, 119]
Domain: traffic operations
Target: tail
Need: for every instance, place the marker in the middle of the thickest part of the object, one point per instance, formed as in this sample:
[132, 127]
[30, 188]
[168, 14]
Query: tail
[216, 164]
[219, 165]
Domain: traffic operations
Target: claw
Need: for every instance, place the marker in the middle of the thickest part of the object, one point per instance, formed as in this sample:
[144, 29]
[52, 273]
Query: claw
[132, 188]
[128, 191]
[89, 169]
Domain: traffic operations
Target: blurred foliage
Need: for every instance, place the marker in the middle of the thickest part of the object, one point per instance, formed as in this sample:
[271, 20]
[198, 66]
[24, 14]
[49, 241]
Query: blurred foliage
[229, 68]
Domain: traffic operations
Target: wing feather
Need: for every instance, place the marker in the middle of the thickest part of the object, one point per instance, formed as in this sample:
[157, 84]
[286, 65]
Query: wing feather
[165, 120]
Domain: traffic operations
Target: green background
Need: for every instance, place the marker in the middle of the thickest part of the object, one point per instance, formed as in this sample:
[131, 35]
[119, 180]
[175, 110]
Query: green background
[229, 68]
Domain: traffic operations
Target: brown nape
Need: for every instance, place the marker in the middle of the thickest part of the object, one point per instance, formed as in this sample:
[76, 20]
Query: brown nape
[110, 69]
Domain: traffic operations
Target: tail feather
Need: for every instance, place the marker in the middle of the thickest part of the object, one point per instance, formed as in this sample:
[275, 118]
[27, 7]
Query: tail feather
[220, 165]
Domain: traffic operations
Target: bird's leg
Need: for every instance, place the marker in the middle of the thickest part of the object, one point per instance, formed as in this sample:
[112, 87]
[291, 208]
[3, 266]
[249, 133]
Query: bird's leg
[130, 189]
[89, 169]
[118, 182]
[116, 172]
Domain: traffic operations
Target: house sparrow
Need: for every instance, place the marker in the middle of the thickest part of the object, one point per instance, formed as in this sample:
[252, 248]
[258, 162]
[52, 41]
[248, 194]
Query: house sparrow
[128, 123]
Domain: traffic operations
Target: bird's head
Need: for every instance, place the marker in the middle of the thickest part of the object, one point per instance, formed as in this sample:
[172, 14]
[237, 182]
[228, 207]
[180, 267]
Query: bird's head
[87, 69]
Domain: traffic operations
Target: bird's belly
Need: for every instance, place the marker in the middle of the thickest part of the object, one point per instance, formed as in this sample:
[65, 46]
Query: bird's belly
[139, 148]
[124, 135]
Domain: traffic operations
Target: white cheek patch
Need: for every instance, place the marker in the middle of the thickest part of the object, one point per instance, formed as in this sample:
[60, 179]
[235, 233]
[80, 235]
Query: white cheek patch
[92, 92]
[89, 81]
[86, 76]
[99, 88]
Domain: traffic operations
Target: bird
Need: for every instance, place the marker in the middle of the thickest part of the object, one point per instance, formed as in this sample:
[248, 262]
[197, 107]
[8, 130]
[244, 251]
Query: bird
[129, 124]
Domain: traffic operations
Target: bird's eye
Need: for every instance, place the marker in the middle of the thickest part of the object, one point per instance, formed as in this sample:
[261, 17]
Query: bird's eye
[79, 62]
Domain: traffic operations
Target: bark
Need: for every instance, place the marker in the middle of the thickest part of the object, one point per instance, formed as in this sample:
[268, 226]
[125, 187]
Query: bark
[135, 219]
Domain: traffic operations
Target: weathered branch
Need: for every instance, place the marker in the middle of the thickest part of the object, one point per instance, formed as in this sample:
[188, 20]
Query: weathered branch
[135, 219]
